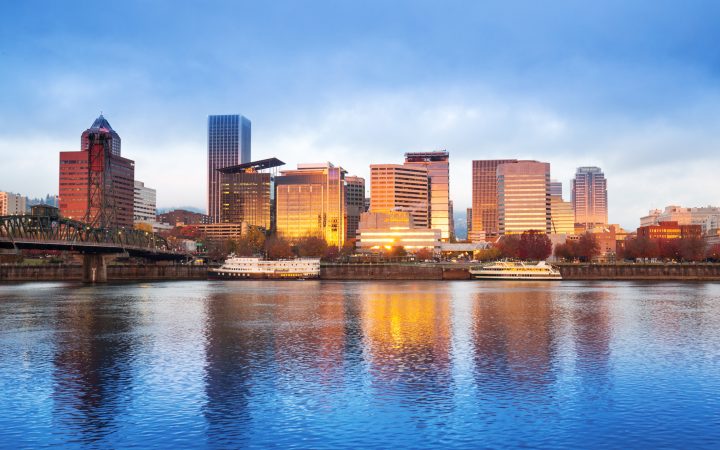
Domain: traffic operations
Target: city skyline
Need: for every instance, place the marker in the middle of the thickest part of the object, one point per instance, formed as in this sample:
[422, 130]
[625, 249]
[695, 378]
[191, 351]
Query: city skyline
[355, 94]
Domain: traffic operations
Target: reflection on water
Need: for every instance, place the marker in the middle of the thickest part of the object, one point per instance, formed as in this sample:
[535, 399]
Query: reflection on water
[376, 364]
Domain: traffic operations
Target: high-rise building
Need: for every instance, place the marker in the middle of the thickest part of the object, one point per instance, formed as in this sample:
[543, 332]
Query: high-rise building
[310, 201]
[556, 188]
[145, 204]
[562, 216]
[101, 123]
[228, 145]
[438, 170]
[395, 187]
[355, 201]
[589, 197]
[451, 211]
[246, 193]
[12, 204]
[96, 185]
[485, 199]
[523, 197]
[468, 220]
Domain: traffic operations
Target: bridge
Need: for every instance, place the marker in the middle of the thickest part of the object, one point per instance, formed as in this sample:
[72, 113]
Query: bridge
[48, 232]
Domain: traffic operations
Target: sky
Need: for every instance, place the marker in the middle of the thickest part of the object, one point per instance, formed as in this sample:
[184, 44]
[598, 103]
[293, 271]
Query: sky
[631, 87]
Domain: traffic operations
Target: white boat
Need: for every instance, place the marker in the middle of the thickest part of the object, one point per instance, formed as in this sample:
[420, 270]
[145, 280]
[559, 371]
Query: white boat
[507, 270]
[242, 268]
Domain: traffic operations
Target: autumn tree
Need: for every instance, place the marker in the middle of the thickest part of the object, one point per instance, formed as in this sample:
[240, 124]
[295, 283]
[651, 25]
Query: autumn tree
[487, 254]
[424, 254]
[567, 251]
[713, 253]
[311, 246]
[251, 243]
[509, 246]
[534, 245]
[277, 248]
[587, 247]
[692, 248]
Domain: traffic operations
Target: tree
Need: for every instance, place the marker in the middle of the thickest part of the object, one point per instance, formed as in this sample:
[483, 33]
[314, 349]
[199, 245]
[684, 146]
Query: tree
[487, 254]
[278, 248]
[641, 247]
[397, 251]
[567, 251]
[251, 243]
[692, 248]
[348, 247]
[534, 245]
[713, 253]
[587, 247]
[424, 254]
[143, 226]
[311, 246]
[509, 246]
[669, 249]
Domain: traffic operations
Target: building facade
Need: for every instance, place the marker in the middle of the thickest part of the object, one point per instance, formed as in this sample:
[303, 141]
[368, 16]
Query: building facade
[12, 204]
[355, 202]
[246, 193]
[669, 230]
[468, 221]
[101, 123]
[229, 144]
[310, 201]
[179, 217]
[523, 197]
[145, 204]
[96, 186]
[708, 217]
[485, 199]
[395, 187]
[381, 231]
[438, 172]
[556, 188]
[589, 197]
[562, 216]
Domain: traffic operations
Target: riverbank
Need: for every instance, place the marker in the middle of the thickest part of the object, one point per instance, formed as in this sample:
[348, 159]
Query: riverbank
[367, 272]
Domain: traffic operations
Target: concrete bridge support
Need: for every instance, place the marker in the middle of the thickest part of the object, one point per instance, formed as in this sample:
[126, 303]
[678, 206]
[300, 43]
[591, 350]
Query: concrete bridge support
[94, 268]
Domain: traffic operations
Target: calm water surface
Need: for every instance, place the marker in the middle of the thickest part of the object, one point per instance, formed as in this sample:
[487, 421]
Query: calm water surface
[360, 364]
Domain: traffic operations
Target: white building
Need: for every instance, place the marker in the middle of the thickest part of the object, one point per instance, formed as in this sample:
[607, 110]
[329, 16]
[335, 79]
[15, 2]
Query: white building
[12, 204]
[383, 231]
[144, 207]
[708, 217]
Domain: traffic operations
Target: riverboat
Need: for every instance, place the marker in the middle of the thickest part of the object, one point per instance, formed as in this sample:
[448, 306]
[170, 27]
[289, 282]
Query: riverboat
[508, 270]
[242, 268]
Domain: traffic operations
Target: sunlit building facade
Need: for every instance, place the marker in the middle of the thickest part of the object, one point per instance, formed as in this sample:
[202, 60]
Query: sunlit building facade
[438, 172]
[589, 197]
[523, 197]
[562, 216]
[12, 204]
[395, 187]
[708, 217]
[385, 230]
[669, 230]
[355, 202]
[485, 199]
[246, 193]
[310, 201]
[228, 145]
[145, 203]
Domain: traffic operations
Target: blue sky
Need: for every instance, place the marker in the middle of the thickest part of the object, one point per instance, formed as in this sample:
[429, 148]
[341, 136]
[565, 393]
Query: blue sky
[632, 87]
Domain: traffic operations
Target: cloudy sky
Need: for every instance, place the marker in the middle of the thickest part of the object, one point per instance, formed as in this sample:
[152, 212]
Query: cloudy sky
[632, 87]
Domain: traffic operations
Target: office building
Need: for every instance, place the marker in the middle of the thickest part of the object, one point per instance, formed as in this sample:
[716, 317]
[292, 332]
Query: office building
[181, 217]
[562, 216]
[468, 220]
[12, 204]
[97, 186]
[708, 217]
[485, 199]
[145, 204]
[395, 187]
[589, 197]
[556, 188]
[113, 138]
[382, 231]
[355, 202]
[669, 230]
[523, 197]
[228, 145]
[310, 201]
[438, 172]
[246, 192]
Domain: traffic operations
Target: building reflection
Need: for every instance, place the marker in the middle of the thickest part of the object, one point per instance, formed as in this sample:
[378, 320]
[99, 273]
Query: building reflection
[407, 332]
[92, 366]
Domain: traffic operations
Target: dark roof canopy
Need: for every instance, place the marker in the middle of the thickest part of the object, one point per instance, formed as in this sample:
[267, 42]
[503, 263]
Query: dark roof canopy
[257, 165]
[101, 122]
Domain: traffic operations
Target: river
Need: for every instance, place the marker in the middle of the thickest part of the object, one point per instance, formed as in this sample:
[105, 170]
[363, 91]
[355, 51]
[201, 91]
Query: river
[320, 364]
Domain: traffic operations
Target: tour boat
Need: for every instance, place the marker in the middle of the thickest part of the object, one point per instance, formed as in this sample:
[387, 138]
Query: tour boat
[242, 268]
[506, 270]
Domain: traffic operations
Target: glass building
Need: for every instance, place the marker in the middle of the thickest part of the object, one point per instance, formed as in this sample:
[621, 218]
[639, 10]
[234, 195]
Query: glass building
[395, 187]
[228, 145]
[485, 199]
[355, 202]
[438, 170]
[246, 193]
[310, 201]
[561, 215]
[589, 198]
[523, 197]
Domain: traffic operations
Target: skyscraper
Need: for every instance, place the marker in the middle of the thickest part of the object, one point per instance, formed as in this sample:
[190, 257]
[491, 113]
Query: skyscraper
[523, 197]
[228, 145]
[96, 185]
[556, 188]
[438, 170]
[589, 197]
[246, 190]
[310, 201]
[395, 187]
[102, 123]
[485, 199]
[144, 206]
[355, 201]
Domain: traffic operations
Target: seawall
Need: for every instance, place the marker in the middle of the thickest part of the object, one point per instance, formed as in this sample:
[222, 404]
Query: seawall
[650, 272]
[73, 272]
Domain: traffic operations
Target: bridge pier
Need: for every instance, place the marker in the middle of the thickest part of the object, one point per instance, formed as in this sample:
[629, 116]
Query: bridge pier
[94, 268]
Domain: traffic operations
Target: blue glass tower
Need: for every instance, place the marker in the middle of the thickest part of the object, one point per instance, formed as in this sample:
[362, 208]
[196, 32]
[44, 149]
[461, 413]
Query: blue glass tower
[228, 145]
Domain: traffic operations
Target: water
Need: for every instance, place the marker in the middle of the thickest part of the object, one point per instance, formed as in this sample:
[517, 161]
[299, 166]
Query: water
[363, 365]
